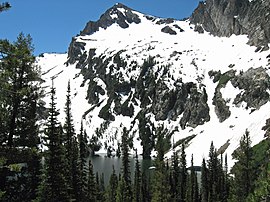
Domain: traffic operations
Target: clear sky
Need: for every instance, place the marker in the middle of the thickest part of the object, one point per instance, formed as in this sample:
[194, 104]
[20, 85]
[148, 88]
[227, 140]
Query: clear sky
[52, 23]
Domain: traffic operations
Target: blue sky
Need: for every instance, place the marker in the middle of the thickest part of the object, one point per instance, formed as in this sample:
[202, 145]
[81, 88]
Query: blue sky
[52, 23]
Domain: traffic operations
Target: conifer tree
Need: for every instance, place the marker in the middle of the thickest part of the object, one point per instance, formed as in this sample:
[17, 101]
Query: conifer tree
[83, 168]
[4, 6]
[19, 95]
[71, 145]
[192, 192]
[137, 197]
[213, 174]
[56, 186]
[204, 182]
[242, 170]
[92, 187]
[125, 183]
[183, 175]
[175, 177]
[19, 78]
[112, 188]
[161, 190]
[76, 172]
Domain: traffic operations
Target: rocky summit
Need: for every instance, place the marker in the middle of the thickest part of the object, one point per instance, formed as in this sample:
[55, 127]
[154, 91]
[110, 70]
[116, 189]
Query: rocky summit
[197, 80]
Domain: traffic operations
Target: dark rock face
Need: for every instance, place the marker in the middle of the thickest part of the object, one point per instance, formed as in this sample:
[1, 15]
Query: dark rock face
[123, 17]
[221, 109]
[227, 17]
[168, 30]
[255, 83]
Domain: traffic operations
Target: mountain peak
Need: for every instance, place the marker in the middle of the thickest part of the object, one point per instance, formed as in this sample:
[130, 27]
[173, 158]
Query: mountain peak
[118, 14]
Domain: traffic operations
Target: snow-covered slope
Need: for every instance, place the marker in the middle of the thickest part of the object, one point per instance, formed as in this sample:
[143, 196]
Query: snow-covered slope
[182, 57]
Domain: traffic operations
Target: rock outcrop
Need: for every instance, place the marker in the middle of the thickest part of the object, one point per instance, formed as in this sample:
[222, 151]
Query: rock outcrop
[227, 17]
[119, 14]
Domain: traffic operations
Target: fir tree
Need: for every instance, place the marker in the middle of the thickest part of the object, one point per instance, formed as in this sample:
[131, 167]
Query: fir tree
[183, 175]
[70, 145]
[175, 177]
[204, 182]
[242, 170]
[213, 175]
[192, 191]
[112, 188]
[161, 190]
[56, 186]
[19, 95]
[83, 168]
[92, 186]
[4, 6]
[137, 197]
[125, 182]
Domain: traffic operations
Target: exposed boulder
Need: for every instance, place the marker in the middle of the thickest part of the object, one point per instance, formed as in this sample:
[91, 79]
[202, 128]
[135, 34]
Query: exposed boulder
[168, 30]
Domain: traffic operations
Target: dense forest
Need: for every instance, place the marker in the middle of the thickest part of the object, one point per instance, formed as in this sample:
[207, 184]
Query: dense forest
[63, 172]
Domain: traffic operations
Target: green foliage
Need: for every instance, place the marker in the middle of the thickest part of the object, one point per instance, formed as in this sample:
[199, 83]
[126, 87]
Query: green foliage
[242, 170]
[4, 6]
[112, 189]
[55, 182]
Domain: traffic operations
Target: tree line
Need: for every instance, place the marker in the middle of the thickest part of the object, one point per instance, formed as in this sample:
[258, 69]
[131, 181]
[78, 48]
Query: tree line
[63, 171]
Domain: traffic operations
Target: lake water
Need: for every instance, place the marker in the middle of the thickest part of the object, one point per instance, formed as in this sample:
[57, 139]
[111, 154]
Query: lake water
[104, 164]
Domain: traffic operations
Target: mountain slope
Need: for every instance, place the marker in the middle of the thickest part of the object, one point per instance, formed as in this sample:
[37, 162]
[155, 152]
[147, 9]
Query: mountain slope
[154, 75]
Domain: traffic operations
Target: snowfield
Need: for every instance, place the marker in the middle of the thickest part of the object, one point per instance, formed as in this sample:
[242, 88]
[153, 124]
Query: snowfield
[190, 55]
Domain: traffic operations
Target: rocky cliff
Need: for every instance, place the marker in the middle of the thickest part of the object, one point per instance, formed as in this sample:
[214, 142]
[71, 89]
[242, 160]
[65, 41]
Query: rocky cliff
[227, 17]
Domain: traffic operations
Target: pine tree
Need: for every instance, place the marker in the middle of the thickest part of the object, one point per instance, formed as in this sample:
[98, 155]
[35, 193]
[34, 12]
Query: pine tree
[242, 170]
[137, 197]
[83, 168]
[125, 182]
[213, 175]
[161, 190]
[175, 177]
[70, 144]
[56, 186]
[92, 186]
[204, 182]
[4, 6]
[192, 191]
[183, 175]
[112, 188]
[19, 79]
[76, 171]
[19, 94]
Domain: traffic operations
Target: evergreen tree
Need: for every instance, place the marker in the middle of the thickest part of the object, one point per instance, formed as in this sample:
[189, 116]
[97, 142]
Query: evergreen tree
[71, 147]
[19, 79]
[161, 190]
[242, 170]
[92, 187]
[204, 182]
[214, 177]
[4, 6]
[56, 186]
[183, 175]
[125, 183]
[137, 197]
[83, 168]
[175, 177]
[192, 191]
[19, 140]
[112, 188]
[76, 171]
